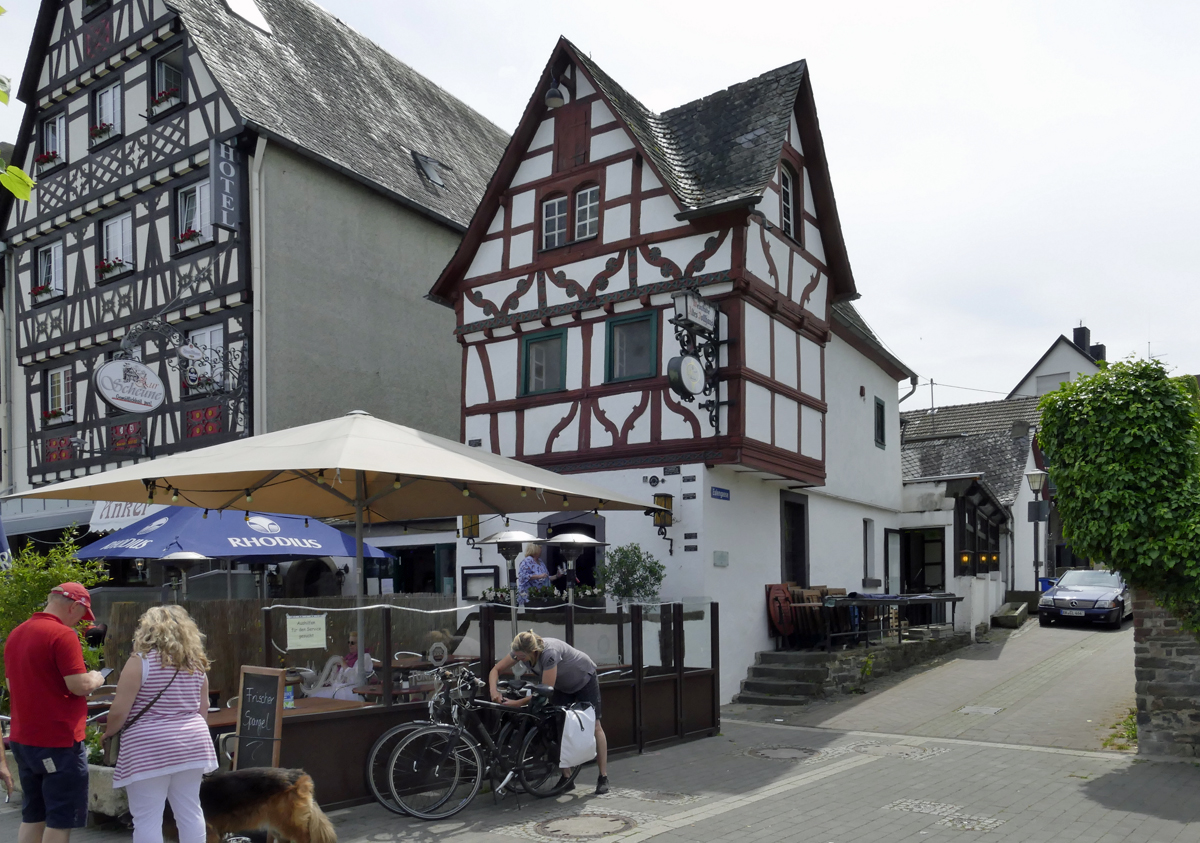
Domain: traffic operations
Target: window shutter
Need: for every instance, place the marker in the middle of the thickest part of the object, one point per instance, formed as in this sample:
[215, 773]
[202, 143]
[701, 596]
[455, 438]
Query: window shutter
[127, 238]
[570, 137]
[203, 210]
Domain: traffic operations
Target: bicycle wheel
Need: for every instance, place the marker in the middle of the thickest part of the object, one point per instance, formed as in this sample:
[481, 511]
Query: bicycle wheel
[508, 742]
[435, 772]
[537, 766]
[379, 757]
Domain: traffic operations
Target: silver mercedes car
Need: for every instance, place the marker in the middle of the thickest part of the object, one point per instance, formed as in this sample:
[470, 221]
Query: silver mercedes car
[1090, 596]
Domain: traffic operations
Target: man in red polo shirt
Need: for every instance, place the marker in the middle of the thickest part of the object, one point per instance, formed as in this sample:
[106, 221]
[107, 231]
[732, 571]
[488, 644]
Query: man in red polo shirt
[47, 683]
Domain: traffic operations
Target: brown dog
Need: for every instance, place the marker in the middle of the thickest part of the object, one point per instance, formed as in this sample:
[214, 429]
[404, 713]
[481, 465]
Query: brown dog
[260, 798]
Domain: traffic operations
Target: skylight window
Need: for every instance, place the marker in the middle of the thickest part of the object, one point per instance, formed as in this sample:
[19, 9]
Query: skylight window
[248, 11]
[429, 167]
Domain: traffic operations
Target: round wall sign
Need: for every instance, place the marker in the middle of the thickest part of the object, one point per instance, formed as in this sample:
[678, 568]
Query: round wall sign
[130, 386]
[686, 375]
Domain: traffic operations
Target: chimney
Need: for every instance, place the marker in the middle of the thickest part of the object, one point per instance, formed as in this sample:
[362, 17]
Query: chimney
[1098, 352]
[1082, 337]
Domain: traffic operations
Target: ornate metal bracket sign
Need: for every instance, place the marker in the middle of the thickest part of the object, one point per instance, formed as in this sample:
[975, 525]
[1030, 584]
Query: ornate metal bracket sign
[697, 329]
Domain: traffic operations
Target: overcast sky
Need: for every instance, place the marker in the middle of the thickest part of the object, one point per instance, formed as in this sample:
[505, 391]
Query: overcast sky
[1003, 172]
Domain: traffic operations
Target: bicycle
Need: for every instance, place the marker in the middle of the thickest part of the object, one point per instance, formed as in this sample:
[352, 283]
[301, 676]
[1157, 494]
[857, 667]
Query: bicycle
[440, 713]
[437, 770]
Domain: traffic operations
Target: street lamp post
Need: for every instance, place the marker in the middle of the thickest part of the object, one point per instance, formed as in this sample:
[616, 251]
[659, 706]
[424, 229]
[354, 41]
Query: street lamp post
[1038, 512]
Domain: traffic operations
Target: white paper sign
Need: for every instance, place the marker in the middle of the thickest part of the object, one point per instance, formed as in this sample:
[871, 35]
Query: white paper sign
[306, 632]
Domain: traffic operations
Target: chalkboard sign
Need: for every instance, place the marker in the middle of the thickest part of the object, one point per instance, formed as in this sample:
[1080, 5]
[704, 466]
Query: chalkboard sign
[259, 719]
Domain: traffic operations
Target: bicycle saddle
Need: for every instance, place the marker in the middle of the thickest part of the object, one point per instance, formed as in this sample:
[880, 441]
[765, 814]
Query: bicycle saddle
[542, 690]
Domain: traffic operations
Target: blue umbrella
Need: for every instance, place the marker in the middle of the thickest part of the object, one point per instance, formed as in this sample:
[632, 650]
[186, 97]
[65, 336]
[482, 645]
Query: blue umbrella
[185, 529]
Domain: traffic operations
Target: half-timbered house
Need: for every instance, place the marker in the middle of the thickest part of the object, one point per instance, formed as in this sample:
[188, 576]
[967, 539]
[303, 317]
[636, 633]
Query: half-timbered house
[781, 462]
[247, 200]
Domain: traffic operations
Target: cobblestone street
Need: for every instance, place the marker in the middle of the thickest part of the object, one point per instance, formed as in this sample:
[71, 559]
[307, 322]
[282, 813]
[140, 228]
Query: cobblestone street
[770, 781]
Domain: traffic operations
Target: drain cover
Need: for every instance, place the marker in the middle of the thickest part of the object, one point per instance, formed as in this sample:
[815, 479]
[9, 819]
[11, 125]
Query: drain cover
[784, 753]
[584, 827]
[885, 750]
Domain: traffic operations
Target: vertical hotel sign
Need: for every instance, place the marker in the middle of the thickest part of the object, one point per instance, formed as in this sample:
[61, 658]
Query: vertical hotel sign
[225, 175]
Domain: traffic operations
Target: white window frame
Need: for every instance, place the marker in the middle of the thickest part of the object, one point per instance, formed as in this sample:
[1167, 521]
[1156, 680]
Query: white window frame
[107, 108]
[117, 236]
[554, 222]
[56, 126]
[60, 393]
[50, 269]
[194, 211]
[787, 200]
[210, 340]
[161, 83]
[587, 212]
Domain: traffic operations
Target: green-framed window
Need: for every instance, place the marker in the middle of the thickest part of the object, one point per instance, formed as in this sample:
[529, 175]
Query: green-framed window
[632, 347]
[544, 362]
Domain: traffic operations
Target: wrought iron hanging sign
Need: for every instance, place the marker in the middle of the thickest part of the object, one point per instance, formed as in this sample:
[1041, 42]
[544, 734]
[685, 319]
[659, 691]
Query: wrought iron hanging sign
[694, 373]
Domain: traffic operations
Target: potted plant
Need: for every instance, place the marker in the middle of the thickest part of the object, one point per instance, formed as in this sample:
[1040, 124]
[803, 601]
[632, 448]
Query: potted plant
[163, 100]
[100, 131]
[107, 266]
[47, 160]
[188, 236]
[40, 290]
[56, 415]
[630, 574]
[495, 595]
[543, 595]
[591, 596]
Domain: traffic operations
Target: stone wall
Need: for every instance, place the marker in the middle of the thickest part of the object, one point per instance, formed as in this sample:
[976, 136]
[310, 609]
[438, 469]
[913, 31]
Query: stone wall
[1167, 669]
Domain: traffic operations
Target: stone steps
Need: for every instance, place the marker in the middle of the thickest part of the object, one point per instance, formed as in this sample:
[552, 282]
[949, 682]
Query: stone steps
[751, 698]
[795, 673]
[801, 658]
[783, 687]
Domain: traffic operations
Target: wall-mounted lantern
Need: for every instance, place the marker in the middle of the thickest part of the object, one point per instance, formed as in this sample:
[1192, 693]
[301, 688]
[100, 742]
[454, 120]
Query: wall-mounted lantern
[664, 517]
[965, 559]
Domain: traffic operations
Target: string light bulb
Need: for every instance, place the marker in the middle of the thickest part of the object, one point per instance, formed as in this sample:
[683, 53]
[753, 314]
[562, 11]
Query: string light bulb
[601, 504]
[524, 491]
[565, 501]
[249, 497]
[505, 520]
[396, 482]
[306, 523]
[406, 528]
[466, 492]
[247, 516]
[321, 477]
[205, 515]
[174, 496]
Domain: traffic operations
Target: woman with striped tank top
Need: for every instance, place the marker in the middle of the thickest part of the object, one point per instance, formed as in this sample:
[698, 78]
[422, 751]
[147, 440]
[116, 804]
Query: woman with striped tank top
[163, 695]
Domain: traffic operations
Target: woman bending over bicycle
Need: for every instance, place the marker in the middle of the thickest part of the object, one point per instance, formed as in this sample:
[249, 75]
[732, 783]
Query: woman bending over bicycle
[572, 675]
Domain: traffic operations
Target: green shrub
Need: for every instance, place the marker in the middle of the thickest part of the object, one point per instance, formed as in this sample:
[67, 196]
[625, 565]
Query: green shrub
[630, 574]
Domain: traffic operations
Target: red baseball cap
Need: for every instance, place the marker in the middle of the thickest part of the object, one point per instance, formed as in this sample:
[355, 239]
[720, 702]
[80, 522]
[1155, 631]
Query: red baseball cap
[75, 591]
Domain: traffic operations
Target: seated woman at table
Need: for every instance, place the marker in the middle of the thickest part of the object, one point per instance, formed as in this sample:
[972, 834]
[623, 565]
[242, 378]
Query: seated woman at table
[532, 572]
[342, 674]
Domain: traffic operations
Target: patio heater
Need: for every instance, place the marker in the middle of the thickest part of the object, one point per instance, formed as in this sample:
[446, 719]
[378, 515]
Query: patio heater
[183, 559]
[509, 543]
[1039, 511]
[572, 546]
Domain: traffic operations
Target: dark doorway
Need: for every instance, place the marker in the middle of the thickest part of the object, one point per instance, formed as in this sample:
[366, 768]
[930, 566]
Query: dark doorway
[422, 569]
[793, 530]
[923, 571]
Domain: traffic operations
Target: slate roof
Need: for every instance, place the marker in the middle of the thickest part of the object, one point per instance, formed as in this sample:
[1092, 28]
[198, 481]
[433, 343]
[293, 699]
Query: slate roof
[848, 315]
[317, 85]
[719, 148]
[971, 438]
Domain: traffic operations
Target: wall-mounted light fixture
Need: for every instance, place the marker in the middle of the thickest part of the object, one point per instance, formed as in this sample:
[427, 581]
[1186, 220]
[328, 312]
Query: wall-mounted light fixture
[664, 518]
[554, 96]
[965, 558]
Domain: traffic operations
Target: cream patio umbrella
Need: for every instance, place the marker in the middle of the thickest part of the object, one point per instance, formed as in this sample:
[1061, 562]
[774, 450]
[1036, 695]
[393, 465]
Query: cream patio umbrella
[347, 467]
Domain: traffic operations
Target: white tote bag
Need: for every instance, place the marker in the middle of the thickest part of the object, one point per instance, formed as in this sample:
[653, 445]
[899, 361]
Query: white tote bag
[579, 736]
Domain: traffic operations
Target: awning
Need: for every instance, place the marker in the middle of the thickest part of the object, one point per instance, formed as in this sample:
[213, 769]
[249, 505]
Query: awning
[114, 515]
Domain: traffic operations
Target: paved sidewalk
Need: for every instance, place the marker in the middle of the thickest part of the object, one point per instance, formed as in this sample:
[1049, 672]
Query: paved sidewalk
[1054, 686]
[765, 782]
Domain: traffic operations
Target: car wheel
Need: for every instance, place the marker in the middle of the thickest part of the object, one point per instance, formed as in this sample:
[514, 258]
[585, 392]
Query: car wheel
[1116, 624]
[1043, 620]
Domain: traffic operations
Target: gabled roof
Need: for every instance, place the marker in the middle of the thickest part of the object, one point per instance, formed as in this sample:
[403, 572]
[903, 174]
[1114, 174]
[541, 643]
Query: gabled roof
[847, 315]
[1062, 339]
[715, 153]
[972, 438]
[318, 87]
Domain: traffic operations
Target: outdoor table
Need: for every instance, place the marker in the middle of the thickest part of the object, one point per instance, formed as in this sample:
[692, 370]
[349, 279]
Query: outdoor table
[900, 602]
[226, 718]
[405, 694]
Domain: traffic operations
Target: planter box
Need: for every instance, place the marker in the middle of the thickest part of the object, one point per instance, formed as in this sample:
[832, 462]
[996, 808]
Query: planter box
[1011, 615]
[103, 798]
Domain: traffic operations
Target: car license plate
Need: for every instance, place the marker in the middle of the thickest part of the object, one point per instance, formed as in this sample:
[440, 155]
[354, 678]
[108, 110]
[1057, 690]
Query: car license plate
[1074, 613]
